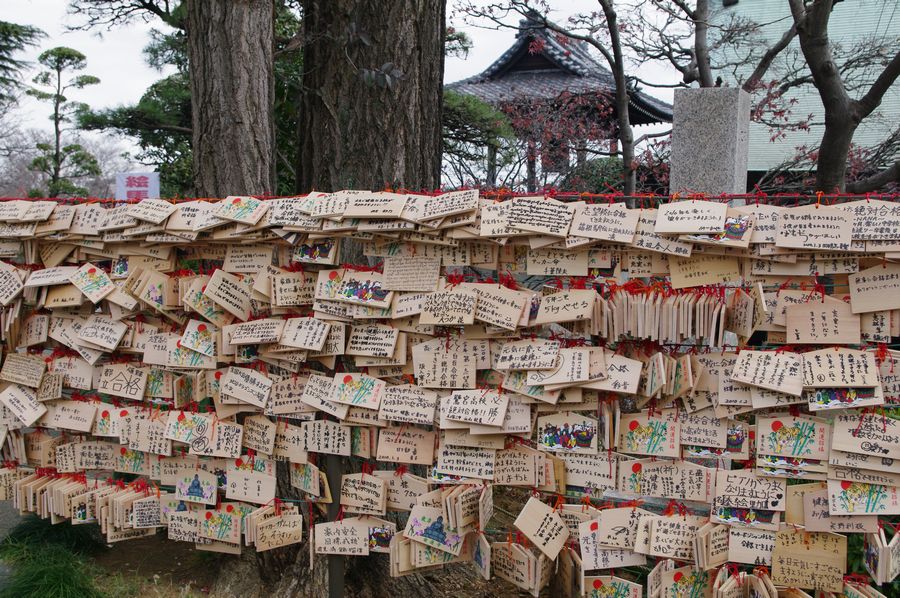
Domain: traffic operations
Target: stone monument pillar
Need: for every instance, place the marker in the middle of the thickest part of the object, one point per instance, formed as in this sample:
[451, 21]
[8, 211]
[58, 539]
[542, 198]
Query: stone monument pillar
[710, 138]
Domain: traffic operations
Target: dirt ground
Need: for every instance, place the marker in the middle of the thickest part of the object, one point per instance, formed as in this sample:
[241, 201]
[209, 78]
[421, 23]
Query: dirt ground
[154, 566]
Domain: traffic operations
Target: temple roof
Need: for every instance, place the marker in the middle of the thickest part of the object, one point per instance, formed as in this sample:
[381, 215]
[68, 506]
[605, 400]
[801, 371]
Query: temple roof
[562, 65]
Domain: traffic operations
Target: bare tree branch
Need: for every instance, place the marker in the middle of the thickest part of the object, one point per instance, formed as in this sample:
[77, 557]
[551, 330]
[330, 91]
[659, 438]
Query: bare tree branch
[872, 99]
[679, 85]
[877, 181]
[110, 13]
[686, 9]
[768, 58]
[647, 136]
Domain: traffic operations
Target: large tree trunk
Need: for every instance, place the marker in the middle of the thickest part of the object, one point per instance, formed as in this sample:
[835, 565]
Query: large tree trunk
[840, 121]
[230, 47]
[370, 116]
[842, 113]
[831, 167]
[359, 129]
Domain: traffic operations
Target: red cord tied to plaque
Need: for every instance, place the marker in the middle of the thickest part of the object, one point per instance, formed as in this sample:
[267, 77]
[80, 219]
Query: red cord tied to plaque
[783, 285]
[559, 502]
[674, 507]
[139, 485]
[522, 540]
[184, 272]
[735, 572]
[652, 410]
[454, 279]
[508, 280]
[760, 194]
[614, 193]
[485, 388]
[80, 477]
[277, 502]
[819, 288]
[62, 352]
[881, 353]
[586, 503]
[856, 579]
[401, 470]
[356, 268]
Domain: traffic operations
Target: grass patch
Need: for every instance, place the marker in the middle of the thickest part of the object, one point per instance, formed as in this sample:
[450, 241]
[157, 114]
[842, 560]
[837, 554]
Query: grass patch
[118, 585]
[49, 572]
[48, 561]
[34, 531]
[56, 561]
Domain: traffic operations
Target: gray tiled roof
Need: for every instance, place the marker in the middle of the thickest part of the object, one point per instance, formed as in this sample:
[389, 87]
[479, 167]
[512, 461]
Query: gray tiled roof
[571, 67]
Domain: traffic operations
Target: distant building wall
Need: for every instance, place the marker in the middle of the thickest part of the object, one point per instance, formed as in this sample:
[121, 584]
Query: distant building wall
[851, 22]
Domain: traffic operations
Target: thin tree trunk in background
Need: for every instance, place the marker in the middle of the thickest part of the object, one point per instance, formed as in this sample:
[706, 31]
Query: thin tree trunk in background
[363, 135]
[491, 177]
[622, 100]
[57, 136]
[701, 43]
[531, 168]
[230, 47]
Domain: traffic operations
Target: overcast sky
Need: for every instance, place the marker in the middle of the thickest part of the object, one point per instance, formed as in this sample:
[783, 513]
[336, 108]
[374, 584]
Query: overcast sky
[116, 56]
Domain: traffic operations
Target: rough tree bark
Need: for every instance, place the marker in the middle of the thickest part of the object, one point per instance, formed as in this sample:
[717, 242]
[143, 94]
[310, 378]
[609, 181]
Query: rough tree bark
[230, 47]
[355, 133]
[842, 113]
[361, 134]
